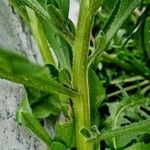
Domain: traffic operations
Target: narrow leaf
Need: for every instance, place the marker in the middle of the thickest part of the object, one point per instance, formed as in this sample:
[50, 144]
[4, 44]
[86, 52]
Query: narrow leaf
[64, 7]
[120, 13]
[20, 70]
[62, 30]
[132, 129]
[25, 117]
[40, 37]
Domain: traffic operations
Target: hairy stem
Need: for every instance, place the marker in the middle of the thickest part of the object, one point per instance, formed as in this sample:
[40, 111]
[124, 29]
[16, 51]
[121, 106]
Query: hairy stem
[80, 75]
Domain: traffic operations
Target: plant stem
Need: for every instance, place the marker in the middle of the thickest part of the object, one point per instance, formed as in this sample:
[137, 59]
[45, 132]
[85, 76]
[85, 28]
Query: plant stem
[80, 75]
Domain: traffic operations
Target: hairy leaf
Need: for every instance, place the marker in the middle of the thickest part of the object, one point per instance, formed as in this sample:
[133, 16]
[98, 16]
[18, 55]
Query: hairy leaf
[20, 70]
[121, 11]
[117, 112]
[132, 130]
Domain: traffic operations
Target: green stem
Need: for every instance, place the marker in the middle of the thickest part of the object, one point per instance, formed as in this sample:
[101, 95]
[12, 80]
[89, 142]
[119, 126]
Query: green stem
[80, 75]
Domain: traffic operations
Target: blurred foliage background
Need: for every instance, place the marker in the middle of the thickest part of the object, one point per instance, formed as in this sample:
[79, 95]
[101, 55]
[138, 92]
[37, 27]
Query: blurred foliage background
[124, 69]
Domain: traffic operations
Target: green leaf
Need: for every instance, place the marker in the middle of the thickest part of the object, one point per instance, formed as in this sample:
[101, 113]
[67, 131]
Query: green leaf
[38, 32]
[59, 45]
[86, 133]
[43, 3]
[136, 64]
[29, 74]
[54, 73]
[64, 7]
[57, 146]
[117, 112]
[34, 95]
[71, 27]
[147, 36]
[65, 77]
[132, 130]
[65, 131]
[21, 10]
[25, 117]
[54, 2]
[56, 15]
[100, 41]
[61, 29]
[138, 146]
[48, 105]
[97, 95]
[120, 13]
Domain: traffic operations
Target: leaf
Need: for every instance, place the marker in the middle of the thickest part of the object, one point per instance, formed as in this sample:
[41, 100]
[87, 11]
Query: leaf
[138, 146]
[120, 13]
[57, 146]
[29, 74]
[53, 2]
[117, 112]
[65, 131]
[25, 117]
[64, 7]
[132, 130]
[100, 41]
[65, 77]
[21, 10]
[85, 132]
[147, 36]
[48, 105]
[54, 73]
[71, 27]
[136, 64]
[34, 95]
[59, 45]
[97, 95]
[38, 32]
[43, 3]
[56, 15]
[61, 29]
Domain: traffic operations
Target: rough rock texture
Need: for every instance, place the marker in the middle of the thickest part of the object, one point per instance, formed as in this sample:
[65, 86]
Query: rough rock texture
[14, 35]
